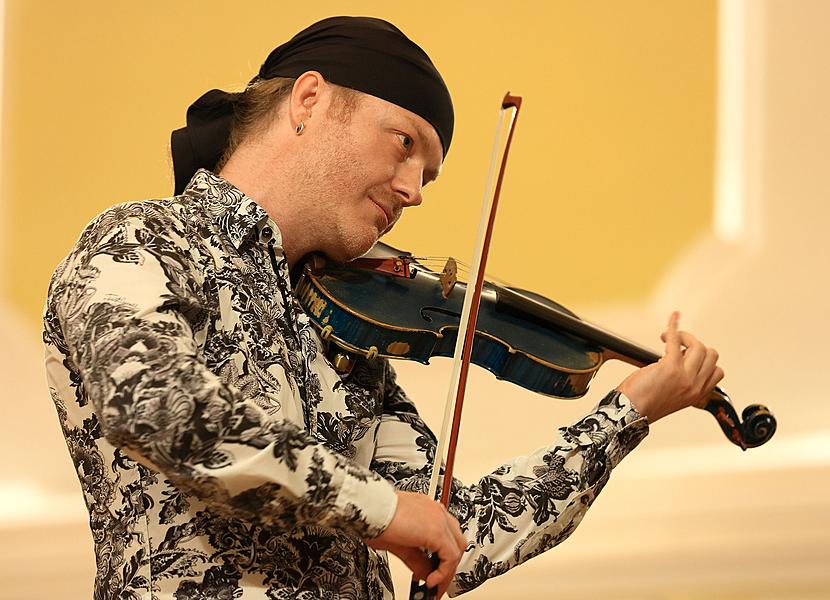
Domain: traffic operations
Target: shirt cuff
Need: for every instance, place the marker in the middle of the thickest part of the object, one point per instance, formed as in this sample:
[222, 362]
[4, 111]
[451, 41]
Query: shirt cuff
[368, 494]
[630, 427]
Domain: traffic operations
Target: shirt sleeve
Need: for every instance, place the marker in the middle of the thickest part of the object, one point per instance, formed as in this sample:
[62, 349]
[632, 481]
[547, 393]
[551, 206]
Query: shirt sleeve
[127, 302]
[529, 504]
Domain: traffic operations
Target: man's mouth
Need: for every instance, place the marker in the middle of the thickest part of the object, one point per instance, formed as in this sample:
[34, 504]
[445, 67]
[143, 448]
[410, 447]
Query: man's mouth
[387, 214]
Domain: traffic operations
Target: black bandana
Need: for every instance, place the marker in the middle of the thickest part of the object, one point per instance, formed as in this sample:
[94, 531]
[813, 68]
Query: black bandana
[362, 53]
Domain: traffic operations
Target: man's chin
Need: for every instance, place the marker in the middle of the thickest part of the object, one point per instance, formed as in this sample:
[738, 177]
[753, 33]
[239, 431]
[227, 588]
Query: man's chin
[363, 250]
[355, 249]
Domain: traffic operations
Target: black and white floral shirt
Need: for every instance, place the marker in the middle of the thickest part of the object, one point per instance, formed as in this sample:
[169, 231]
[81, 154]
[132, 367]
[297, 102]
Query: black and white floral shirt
[219, 453]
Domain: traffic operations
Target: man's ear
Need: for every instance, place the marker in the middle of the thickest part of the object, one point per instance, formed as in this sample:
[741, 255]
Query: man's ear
[310, 89]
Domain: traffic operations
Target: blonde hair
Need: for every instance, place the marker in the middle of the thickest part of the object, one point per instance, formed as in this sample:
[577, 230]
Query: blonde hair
[258, 106]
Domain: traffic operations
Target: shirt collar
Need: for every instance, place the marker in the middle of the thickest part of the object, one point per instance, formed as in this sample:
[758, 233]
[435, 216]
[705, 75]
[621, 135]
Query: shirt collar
[236, 215]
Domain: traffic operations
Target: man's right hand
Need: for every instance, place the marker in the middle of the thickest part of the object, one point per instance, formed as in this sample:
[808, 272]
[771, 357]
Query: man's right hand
[421, 524]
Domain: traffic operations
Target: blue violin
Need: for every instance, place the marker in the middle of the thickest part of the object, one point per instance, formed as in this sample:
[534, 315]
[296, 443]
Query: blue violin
[388, 304]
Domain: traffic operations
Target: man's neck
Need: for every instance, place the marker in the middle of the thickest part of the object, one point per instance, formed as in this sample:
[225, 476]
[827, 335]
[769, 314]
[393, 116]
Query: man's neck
[269, 185]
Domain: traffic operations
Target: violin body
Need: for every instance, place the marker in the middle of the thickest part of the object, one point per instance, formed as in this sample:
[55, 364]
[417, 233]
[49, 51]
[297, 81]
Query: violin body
[373, 314]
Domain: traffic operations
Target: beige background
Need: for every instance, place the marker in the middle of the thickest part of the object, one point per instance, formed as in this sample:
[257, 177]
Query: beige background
[644, 123]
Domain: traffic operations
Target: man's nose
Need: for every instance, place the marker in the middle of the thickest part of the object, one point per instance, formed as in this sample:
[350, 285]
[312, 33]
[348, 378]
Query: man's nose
[408, 183]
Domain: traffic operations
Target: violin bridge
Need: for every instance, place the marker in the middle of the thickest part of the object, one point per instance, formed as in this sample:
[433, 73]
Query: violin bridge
[448, 277]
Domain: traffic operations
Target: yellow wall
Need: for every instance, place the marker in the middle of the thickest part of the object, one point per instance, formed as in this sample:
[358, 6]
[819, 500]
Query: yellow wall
[610, 176]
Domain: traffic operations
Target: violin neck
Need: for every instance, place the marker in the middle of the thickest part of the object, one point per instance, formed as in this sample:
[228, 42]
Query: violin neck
[613, 346]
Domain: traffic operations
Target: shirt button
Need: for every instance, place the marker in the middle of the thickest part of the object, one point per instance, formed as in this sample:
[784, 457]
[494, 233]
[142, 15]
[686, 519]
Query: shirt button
[267, 233]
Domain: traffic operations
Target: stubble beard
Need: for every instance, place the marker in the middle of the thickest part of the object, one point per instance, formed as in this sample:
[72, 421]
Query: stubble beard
[334, 187]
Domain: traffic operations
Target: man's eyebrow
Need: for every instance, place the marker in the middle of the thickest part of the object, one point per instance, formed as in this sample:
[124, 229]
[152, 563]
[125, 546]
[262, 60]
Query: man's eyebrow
[430, 174]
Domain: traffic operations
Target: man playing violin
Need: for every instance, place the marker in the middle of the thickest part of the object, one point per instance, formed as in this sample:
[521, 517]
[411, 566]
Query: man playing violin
[219, 452]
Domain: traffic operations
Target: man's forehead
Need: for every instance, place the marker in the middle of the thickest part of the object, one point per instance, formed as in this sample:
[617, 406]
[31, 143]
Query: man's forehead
[427, 136]
[429, 140]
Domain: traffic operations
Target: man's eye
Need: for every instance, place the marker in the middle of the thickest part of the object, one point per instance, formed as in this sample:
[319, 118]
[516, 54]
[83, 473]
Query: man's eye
[406, 141]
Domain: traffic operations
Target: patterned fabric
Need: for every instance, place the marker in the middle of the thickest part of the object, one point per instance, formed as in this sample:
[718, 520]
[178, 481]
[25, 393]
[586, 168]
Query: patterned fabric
[219, 453]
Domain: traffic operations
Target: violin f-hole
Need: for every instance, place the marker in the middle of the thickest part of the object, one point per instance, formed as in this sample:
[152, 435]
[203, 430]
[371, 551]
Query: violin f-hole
[435, 309]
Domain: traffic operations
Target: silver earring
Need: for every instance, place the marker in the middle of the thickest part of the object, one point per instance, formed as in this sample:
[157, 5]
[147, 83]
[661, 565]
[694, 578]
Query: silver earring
[300, 128]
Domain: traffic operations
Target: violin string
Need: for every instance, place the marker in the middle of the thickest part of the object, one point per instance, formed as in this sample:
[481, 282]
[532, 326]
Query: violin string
[464, 268]
[437, 263]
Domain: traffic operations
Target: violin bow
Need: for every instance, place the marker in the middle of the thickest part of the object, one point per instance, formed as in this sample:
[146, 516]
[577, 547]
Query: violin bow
[469, 316]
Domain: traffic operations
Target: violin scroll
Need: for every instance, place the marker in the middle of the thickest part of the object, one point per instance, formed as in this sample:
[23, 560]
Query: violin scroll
[757, 427]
